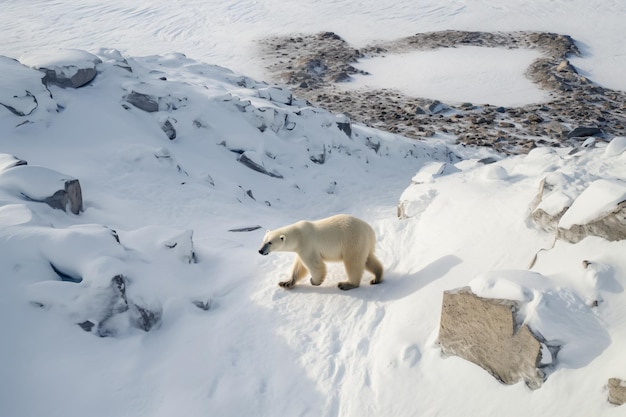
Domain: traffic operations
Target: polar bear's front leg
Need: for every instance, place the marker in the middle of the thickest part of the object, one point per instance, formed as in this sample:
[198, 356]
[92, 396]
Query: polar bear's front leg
[317, 268]
[298, 271]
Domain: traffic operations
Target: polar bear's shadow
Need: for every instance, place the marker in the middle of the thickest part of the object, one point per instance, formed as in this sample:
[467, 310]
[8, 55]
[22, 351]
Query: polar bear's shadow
[394, 286]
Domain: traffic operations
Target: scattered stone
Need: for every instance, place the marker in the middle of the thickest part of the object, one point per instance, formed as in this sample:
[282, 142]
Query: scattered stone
[484, 331]
[203, 304]
[245, 229]
[145, 318]
[247, 161]
[87, 326]
[343, 123]
[583, 132]
[65, 68]
[617, 391]
[143, 101]
[169, 130]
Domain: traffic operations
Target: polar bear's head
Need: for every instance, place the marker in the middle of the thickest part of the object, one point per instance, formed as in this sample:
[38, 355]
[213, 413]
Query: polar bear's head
[274, 241]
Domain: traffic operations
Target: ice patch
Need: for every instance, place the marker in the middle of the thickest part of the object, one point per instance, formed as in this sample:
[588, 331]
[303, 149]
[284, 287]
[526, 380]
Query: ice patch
[497, 75]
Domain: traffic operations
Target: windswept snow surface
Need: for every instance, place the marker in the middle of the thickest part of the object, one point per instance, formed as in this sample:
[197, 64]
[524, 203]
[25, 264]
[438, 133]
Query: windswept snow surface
[497, 75]
[228, 341]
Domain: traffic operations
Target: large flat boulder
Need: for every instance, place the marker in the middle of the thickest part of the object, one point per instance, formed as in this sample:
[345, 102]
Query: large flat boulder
[63, 67]
[483, 331]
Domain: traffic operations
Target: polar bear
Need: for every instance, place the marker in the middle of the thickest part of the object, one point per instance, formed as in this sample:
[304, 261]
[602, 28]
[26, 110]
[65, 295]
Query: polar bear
[336, 238]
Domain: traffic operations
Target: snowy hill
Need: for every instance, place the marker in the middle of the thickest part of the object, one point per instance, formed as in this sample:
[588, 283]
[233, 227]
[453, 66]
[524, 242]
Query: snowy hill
[153, 300]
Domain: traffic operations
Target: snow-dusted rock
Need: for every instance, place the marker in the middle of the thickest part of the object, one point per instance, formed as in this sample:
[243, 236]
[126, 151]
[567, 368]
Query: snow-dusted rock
[63, 67]
[168, 128]
[183, 245]
[44, 185]
[484, 332]
[431, 170]
[22, 90]
[276, 94]
[559, 317]
[9, 161]
[344, 124]
[145, 102]
[616, 146]
[250, 158]
[617, 391]
[600, 210]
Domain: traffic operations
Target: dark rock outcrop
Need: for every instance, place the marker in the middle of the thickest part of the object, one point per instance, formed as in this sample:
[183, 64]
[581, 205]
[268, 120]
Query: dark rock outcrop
[484, 332]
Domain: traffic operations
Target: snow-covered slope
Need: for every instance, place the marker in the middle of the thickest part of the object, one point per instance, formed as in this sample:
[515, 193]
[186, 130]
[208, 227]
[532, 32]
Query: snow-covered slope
[150, 303]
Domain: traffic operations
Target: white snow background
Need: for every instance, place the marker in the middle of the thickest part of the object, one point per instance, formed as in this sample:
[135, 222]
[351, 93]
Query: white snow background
[230, 342]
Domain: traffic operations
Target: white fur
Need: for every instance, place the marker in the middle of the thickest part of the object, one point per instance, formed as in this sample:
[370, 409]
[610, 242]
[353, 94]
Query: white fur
[339, 238]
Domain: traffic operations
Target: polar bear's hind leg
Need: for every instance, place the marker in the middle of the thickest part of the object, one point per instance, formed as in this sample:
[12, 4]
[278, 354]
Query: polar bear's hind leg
[355, 273]
[375, 267]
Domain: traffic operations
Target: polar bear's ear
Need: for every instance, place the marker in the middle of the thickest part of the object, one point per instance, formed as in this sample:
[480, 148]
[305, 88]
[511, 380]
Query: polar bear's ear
[282, 238]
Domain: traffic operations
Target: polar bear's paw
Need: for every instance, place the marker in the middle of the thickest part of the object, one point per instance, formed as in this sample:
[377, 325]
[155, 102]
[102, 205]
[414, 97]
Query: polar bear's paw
[287, 284]
[346, 285]
[316, 283]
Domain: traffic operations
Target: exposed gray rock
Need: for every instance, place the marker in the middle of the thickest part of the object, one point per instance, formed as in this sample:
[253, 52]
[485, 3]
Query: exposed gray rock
[70, 198]
[617, 391]
[145, 318]
[114, 302]
[65, 68]
[583, 132]
[245, 229]
[247, 161]
[169, 130]
[343, 123]
[483, 331]
[43, 185]
[143, 101]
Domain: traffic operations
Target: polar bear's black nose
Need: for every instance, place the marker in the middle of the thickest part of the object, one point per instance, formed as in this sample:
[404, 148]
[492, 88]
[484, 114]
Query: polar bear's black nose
[265, 249]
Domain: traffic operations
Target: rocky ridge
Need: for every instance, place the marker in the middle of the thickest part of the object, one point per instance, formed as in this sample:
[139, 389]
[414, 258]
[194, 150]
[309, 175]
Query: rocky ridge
[313, 65]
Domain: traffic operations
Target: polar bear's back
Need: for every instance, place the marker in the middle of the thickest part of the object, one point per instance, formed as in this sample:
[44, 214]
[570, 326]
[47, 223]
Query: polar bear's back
[342, 235]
